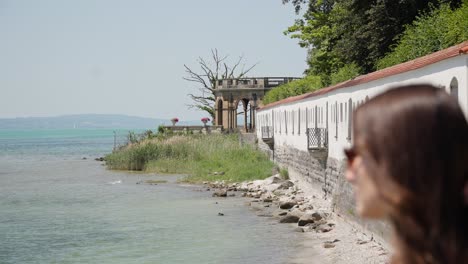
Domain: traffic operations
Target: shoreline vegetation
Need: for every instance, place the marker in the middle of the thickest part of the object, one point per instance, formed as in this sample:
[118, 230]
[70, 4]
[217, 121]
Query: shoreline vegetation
[213, 157]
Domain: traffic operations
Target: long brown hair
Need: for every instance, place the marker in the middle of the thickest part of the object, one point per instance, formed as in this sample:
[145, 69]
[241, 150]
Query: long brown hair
[416, 138]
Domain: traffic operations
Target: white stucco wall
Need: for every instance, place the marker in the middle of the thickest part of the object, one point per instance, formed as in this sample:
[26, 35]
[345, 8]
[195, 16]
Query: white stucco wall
[439, 74]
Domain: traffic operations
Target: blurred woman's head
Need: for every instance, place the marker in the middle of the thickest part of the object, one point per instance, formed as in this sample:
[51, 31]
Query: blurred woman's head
[409, 162]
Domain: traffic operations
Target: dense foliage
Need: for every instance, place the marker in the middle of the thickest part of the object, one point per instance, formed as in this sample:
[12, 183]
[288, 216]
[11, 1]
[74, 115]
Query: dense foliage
[199, 156]
[308, 84]
[345, 73]
[361, 32]
[437, 29]
[346, 38]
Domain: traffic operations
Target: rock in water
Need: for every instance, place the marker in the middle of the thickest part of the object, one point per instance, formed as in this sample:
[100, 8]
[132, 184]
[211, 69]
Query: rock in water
[289, 219]
[317, 216]
[220, 193]
[283, 213]
[309, 218]
[287, 204]
[265, 214]
[299, 229]
[323, 228]
[328, 245]
[296, 212]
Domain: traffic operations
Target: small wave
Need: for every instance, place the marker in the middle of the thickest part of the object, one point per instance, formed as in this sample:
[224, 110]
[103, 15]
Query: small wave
[116, 182]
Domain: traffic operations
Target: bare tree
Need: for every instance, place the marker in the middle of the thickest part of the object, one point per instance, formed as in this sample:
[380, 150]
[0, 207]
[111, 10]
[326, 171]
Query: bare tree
[210, 72]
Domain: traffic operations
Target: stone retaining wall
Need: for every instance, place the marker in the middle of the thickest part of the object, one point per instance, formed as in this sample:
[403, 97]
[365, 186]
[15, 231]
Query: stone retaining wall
[315, 170]
[309, 166]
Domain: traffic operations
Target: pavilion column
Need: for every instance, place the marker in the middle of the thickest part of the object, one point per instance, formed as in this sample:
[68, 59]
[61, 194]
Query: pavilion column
[245, 117]
[233, 116]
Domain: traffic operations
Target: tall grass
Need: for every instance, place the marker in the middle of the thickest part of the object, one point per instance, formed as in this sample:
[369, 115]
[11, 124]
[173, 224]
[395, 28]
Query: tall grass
[202, 157]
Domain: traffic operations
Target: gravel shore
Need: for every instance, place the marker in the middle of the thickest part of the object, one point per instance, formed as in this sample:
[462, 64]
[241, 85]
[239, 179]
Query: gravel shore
[327, 237]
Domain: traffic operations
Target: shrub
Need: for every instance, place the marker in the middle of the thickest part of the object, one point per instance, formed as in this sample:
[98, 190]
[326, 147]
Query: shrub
[284, 173]
[298, 87]
[132, 137]
[345, 73]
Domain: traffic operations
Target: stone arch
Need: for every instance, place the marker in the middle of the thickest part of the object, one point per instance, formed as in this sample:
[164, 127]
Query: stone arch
[454, 88]
[246, 113]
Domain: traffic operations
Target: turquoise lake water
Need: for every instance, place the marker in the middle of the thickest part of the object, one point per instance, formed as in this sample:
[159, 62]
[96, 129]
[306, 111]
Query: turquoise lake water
[56, 207]
[59, 143]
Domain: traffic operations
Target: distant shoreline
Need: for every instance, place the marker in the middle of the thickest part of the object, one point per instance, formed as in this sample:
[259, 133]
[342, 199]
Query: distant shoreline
[86, 121]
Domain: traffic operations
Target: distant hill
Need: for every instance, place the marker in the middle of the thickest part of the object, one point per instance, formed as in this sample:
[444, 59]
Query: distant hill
[85, 121]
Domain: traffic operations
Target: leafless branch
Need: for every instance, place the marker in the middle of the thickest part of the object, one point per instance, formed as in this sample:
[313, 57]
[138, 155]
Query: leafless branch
[209, 75]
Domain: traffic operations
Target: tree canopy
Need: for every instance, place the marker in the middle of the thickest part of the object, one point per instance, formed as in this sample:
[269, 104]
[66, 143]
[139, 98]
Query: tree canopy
[360, 32]
[434, 30]
[346, 38]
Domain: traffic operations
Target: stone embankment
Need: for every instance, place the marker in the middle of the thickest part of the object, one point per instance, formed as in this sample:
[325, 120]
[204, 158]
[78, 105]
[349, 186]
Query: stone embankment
[328, 238]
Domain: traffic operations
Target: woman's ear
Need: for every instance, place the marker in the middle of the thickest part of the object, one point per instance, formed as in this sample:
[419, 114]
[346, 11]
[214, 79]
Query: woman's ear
[351, 170]
[350, 175]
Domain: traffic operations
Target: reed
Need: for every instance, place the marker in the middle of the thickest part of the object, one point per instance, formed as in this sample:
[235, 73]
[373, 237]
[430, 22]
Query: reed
[201, 157]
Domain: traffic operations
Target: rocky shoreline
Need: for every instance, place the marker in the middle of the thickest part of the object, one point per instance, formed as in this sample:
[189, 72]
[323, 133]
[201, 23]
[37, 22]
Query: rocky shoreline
[328, 238]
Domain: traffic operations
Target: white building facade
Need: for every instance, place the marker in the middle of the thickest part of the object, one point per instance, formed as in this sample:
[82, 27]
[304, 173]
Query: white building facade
[327, 114]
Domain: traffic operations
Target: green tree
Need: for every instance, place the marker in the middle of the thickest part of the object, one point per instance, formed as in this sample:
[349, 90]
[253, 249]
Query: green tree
[316, 31]
[345, 73]
[434, 30]
[342, 32]
[296, 3]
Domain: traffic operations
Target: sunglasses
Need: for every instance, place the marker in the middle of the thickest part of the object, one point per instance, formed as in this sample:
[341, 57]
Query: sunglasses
[350, 154]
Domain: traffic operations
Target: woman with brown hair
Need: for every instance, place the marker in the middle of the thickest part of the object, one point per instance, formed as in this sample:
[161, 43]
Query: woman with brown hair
[409, 164]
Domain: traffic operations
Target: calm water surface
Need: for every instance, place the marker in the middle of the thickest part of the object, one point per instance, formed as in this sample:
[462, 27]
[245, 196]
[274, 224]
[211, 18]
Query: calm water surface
[57, 208]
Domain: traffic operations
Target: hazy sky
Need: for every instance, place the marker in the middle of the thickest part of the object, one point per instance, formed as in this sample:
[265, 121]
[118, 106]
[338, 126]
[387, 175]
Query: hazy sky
[126, 57]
